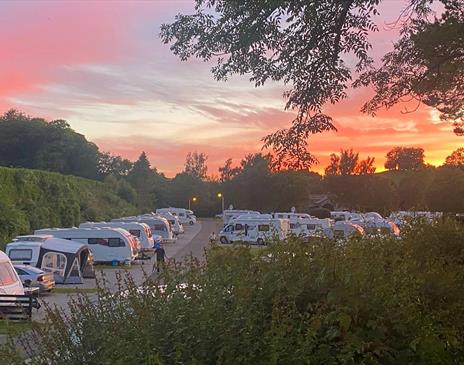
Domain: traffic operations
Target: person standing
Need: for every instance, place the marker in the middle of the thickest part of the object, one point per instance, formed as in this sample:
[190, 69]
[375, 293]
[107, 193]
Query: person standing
[160, 257]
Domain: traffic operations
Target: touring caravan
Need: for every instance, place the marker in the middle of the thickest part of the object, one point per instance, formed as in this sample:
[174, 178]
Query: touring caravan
[185, 216]
[68, 261]
[106, 244]
[344, 216]
[137, 229]
[342, 229]
[309, 227]
[176, 226]
[254, 230]
[10, 283]
[159, 226]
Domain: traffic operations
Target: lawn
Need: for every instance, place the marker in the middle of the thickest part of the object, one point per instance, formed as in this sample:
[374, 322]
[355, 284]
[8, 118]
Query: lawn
[72, 290]
[14, 328]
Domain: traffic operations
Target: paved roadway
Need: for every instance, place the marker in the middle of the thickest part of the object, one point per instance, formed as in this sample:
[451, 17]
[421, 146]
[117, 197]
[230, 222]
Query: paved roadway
[197, 245]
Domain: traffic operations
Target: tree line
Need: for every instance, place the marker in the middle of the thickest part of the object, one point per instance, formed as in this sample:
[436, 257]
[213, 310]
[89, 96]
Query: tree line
[254, 182]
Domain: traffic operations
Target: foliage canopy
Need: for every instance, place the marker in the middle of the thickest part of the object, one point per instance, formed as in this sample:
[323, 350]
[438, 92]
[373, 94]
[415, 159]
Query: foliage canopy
[305, 44]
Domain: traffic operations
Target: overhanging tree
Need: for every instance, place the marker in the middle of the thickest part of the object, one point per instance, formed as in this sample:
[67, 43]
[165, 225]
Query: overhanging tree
[304, 43]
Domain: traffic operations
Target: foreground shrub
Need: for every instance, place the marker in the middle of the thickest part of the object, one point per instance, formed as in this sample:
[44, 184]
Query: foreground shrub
[369, 301]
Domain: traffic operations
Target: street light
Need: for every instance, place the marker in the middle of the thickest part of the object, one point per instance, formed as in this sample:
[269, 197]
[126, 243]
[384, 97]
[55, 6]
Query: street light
[221, 196]
[193, 200]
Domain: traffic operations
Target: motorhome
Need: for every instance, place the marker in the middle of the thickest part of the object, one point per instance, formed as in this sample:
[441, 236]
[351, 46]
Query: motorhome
[10, 283]
[176, 226]
[185, 216]
[106, 244]
[137, 229]
[254, 229]
[228, 214]
[159, 226]
[290, 215]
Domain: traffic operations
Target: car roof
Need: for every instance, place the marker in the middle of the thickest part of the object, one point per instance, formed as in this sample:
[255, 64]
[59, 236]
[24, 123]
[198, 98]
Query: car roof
[29, 268]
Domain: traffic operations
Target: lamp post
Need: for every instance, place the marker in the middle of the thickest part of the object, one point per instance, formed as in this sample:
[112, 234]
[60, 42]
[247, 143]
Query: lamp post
[221, 196]
[193, 200]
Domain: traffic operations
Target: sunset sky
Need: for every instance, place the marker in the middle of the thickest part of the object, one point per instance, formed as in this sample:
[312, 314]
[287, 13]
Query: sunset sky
[102, 67]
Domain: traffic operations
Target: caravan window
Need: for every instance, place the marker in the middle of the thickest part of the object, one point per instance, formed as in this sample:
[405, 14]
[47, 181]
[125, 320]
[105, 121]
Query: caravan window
[20, 254]
[181, 214]
[135, 232]
[115, 242]
[97, 241]
[264, 227]
[238, 227]
[311, 227]
[293, 225]
[160, 227]
[7, 275]
[54, 262]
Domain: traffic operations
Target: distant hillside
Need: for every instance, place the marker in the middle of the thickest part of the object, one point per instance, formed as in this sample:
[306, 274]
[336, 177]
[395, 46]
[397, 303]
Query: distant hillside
[31, 199]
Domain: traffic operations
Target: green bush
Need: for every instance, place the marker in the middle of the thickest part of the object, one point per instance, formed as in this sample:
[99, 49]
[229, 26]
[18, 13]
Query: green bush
[369, 301]
[32, 199]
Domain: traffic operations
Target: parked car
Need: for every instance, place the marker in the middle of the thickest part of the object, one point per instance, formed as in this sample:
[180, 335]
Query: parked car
[34, 277]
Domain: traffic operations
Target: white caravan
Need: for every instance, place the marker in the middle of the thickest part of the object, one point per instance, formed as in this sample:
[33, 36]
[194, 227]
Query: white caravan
[139, 230]
[185, 216]
[342, 229]
[310, 227]
[106, 244]
[69, 261]
[10, 283]
[343, 216]
[254, 230]
[377, 226]
[228, 214]
[176, 226]
[159, 226]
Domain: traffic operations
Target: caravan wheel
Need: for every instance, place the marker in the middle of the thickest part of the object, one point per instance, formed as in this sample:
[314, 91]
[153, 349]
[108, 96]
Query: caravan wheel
[191, 223]
[260, 241]
[224, 240]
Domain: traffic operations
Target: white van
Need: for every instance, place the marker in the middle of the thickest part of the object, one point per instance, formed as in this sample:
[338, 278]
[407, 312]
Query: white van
[185, 216]
[159, 226]
[254, 230]
[106, 244]
[10, 283]
[137, 229]
[176, 226]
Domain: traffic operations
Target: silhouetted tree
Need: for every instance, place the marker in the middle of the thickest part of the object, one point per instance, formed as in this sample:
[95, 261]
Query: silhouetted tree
[405, 158]
[304, 45]
[142, 177]
[347, 163]
[456, 158]
[34, 143]
[227, 172]
[365, 167]
[195, 165]
[109, 164]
